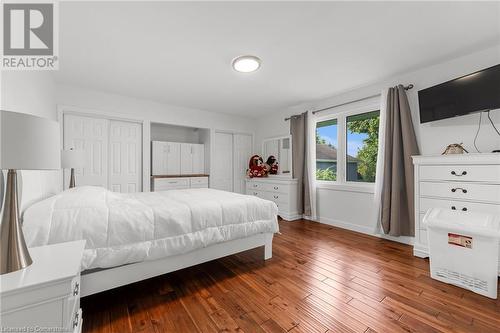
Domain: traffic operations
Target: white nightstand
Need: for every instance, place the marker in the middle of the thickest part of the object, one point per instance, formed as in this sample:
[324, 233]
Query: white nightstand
[45, 295]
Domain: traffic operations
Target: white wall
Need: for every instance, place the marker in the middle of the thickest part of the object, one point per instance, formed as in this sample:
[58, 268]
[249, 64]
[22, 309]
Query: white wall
[162, 132]
[149, 110]
[355, 210]
[79, 99]
[32, 92]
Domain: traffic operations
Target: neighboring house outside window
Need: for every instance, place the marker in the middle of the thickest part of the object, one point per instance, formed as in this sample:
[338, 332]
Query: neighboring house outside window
[326, 158]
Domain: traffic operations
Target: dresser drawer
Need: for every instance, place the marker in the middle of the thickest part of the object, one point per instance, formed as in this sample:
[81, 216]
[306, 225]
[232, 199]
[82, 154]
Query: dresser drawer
[164, 184]
[461, 173]
[427, 203]
[199, 181]
[461, 191]
[275, 197]
[269, 187]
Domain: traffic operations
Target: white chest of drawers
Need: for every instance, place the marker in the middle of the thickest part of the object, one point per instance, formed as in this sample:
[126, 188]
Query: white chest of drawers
[45, 296]
[468, 182]
[282, 191]
[178, 183]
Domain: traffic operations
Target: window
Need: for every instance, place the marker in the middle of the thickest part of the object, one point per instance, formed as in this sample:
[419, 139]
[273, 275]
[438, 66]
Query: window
[326, 150]
[362, 146]
[347, 147]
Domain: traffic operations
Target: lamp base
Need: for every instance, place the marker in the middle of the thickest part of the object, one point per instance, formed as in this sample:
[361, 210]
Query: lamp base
[72, 178]
[14, 254]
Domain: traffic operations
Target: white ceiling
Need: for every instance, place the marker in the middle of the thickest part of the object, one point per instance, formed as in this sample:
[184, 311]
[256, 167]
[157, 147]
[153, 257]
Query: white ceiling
[180, 53]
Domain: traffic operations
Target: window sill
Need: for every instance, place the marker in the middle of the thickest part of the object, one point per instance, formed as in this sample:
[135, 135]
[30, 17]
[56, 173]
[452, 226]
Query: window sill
[347, 187]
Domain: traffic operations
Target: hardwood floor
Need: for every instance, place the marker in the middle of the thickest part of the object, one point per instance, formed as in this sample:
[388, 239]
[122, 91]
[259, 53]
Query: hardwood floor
[320, 279]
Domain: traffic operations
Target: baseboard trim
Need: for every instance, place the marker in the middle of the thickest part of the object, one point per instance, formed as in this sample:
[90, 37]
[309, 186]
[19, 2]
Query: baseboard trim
[346, 225]
[372, 231]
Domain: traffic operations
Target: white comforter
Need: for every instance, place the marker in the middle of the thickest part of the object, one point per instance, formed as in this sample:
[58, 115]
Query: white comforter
[126, 228]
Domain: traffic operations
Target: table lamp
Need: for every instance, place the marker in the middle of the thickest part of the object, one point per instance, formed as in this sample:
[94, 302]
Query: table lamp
[71, 159]
[26, 143]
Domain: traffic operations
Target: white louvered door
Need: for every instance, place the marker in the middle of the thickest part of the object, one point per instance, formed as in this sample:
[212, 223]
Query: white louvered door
[243, 149]
[113, 152]
[125, 152]
[91, 135]
[222, 170]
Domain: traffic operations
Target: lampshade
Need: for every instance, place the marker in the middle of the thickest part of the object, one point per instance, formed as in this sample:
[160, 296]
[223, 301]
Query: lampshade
[28, 142]
[71, 158]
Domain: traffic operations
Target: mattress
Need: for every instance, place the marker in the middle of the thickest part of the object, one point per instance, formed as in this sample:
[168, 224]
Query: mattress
[125, 228]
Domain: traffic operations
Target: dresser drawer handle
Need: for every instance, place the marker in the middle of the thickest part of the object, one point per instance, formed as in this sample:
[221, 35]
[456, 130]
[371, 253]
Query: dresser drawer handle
[255, 185]
[75, 321]
[464, 209]
[455, 174]
[77, 289]
[459, 188]
[255, 193]
[275, 196]
[276, 187]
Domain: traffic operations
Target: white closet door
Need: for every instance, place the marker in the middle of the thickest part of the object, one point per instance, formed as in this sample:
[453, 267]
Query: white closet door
[186, 159]
[173, 153]
[198, 159]
[125, 156]
[243, 150]
[90, 135]
[222, 171]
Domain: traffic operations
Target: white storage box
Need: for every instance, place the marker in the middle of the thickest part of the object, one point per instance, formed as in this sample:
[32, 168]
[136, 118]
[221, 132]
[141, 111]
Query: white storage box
[464, 249]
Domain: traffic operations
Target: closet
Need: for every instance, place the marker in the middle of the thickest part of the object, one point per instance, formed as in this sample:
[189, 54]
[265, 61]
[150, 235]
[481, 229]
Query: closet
[231, 154]
[113, 152]
[179, 157]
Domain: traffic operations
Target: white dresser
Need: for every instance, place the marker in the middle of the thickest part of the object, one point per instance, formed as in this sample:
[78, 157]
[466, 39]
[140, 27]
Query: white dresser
[281, 190]
[46, 295]
[165, 183]
[467, 182]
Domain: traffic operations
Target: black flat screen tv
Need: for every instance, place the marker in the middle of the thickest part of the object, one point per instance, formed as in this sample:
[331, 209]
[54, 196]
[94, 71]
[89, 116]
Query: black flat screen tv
[475, 92]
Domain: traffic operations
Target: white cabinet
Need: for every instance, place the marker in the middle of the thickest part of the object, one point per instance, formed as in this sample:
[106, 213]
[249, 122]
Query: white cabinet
[112, 148]
[467, 183]
[46, 293]
[166, 158]
[192, 159]
[175, 158]
[282, 191]
[198, 156]
[178, 183]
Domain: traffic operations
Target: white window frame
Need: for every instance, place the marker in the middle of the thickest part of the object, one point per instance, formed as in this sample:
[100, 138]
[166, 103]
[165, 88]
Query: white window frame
[341, 113]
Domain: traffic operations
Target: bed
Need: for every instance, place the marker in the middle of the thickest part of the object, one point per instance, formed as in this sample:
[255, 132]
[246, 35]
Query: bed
[131, 237]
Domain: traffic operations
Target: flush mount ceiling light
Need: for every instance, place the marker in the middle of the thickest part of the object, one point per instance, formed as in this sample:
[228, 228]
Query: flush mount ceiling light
[246, 64]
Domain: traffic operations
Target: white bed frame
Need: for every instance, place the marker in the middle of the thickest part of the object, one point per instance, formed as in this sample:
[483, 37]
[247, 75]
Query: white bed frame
[95, 282]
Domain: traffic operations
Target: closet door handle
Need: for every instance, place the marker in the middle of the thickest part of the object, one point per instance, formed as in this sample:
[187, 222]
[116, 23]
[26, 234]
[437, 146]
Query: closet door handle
[459, 188]
[462, 174]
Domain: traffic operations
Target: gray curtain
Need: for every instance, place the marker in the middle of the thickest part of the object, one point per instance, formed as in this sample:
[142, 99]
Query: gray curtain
[298, 130]
[397, 211]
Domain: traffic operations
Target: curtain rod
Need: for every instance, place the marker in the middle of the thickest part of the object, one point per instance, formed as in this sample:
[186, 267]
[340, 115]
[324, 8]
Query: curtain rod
[408, 87]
